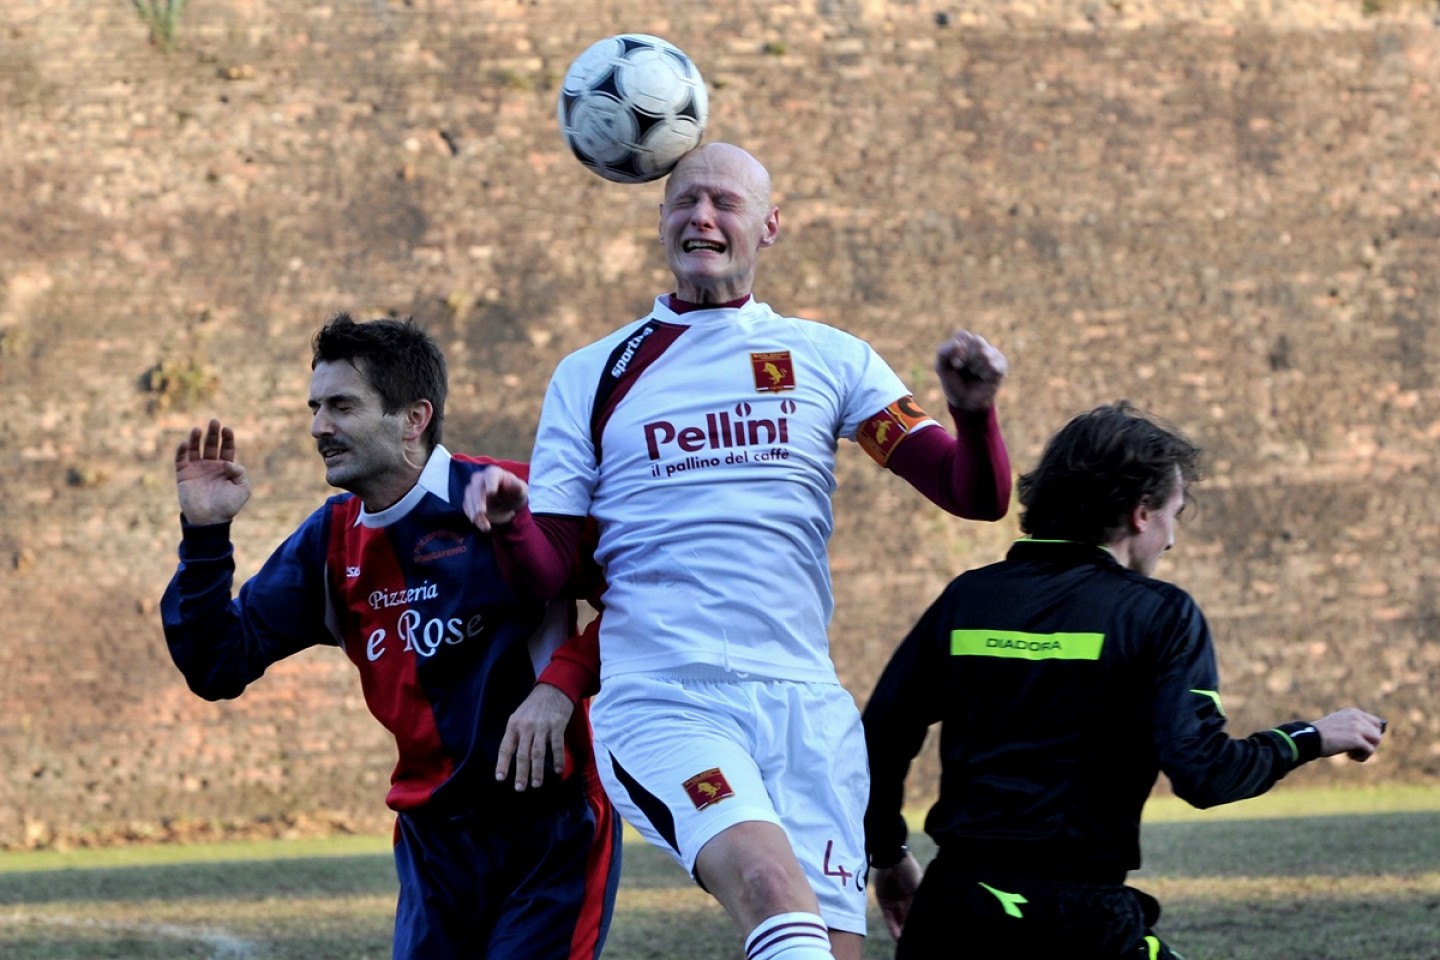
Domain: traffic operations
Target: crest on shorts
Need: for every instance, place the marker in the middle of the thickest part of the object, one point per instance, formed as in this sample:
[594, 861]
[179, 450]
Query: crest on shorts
[707, 788]
[773, 371]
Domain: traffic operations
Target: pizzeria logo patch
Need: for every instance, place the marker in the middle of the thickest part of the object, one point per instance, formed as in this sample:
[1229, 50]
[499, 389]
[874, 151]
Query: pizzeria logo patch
[707, 788]
[773, 371]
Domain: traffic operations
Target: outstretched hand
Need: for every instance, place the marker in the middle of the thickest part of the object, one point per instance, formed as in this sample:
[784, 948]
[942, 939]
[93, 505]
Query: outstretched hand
[536, 725]
[494, 496]
[211, 486]
[970, 370]
[1352, 732]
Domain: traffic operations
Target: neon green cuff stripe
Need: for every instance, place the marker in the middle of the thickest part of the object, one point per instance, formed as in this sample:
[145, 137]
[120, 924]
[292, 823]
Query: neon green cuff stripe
[1289, 742]
[1018, 645]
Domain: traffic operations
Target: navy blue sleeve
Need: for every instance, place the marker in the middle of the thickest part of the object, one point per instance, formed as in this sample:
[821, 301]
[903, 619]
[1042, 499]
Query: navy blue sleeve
[906, 701]
[221, 644]
[1205, 765]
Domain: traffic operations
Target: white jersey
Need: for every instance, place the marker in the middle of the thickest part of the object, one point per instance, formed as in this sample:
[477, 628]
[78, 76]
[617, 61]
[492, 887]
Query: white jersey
[711, 484]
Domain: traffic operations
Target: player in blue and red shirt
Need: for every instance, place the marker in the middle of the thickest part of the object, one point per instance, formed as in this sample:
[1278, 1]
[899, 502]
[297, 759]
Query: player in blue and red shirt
[468, 670]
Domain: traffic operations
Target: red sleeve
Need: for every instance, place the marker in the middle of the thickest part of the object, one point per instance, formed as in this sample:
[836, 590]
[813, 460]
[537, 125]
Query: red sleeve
[968, 474]
[574, 667]
[520, 468]
[538, 554]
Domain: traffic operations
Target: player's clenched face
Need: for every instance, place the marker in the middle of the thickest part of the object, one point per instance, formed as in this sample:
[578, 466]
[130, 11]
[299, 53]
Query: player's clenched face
[363, 446]
[714, 221]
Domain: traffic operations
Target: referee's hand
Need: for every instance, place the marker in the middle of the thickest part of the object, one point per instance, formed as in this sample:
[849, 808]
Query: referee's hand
[895, 890]
[1352, 732]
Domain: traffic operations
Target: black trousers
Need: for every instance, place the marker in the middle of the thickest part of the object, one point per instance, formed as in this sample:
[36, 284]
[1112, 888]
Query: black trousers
[964, 914]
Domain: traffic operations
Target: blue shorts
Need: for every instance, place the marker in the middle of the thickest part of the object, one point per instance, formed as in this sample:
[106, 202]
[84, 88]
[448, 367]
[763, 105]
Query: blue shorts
[532, 882]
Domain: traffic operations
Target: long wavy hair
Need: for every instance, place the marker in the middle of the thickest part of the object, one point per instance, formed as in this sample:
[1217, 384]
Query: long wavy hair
[1098, 469]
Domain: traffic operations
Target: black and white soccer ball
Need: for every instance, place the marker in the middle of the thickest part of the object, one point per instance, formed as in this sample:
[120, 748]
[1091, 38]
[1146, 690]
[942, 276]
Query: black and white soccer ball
[631, 106]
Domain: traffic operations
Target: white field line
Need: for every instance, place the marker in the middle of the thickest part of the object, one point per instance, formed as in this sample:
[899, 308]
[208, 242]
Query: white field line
[223, 946]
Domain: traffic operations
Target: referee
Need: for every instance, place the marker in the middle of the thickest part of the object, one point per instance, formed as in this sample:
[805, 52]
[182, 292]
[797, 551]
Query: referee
[1065, 678]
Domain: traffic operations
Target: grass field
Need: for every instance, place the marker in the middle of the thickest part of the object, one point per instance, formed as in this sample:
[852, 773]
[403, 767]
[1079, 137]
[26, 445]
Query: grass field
[1301, 875]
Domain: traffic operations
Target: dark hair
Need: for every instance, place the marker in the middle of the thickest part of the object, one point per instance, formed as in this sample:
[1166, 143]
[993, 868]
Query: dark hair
[1100, 467]
[399, 360]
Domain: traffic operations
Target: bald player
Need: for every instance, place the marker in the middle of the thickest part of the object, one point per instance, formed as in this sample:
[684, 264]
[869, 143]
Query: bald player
[702, 440]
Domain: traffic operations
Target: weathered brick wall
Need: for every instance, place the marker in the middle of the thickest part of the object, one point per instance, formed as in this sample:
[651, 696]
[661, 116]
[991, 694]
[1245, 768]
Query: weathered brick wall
[1224, 211]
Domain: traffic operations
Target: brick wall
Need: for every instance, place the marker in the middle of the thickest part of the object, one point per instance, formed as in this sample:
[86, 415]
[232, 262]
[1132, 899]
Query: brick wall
[1225, 212]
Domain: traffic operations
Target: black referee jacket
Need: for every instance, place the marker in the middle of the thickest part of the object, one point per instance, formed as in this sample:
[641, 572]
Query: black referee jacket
[1063, 684]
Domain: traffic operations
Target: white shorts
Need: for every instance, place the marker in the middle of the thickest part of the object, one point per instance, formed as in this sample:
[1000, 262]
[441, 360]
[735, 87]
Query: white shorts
[683, 759]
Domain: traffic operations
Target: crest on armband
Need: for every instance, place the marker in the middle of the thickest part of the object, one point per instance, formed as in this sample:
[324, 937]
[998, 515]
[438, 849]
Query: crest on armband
[882, 433]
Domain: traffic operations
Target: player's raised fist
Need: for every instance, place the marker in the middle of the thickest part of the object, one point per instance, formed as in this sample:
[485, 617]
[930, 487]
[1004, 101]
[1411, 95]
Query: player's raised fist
[971, 371]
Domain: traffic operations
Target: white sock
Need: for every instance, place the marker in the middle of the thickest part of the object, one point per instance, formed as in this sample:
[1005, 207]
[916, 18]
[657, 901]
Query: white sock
[789, 936]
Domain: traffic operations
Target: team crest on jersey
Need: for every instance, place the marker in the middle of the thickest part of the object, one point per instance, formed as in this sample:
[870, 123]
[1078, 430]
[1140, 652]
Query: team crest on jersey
[882, 433]
[773, 371]
[438, 546]
[707, 788]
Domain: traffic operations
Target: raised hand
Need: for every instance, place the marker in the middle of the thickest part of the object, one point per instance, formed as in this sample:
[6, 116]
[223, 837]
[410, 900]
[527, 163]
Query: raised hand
[970, 370]
[211, 486]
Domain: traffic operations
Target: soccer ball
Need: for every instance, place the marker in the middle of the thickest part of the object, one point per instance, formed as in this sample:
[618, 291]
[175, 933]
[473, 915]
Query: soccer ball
[631, 106]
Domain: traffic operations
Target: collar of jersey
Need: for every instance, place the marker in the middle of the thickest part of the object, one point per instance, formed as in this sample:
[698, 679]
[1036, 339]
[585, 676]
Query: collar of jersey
[1066, 550]
[435, 478]
[702, 316]
[685, 306]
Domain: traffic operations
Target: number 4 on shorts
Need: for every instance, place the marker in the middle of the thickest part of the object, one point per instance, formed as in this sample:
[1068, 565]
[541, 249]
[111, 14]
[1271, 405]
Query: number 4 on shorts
[839, 871]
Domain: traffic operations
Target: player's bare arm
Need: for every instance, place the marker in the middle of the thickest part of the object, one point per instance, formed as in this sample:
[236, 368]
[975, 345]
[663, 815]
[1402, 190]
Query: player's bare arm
[494, 496]
[536, 725]
[211, 485]
[1350, 731]
[971, 371]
